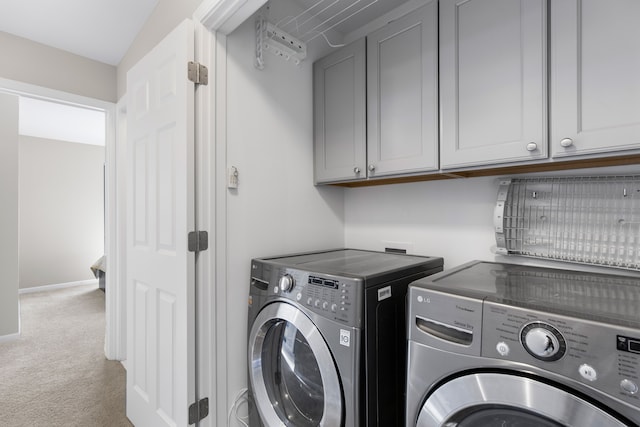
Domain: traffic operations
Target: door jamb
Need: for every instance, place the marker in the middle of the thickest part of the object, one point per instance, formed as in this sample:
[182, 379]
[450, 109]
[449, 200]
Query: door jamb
[214, 20]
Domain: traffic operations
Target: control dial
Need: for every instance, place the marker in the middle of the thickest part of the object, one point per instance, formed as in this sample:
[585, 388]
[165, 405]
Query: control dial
[286, 283]
[543, 341]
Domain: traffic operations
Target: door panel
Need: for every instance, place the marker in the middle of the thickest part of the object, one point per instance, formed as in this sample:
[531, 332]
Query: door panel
[160, 269]
[402, 113]
[293, 375]
[492, 81]
[595, 76]
[339, 114]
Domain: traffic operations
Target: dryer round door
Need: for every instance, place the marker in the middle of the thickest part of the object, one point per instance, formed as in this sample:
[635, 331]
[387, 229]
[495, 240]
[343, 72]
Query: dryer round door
[497, 400]
[292, 372]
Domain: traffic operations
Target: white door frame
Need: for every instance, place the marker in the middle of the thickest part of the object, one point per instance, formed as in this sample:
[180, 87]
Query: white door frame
[214, 19]
[54, 95]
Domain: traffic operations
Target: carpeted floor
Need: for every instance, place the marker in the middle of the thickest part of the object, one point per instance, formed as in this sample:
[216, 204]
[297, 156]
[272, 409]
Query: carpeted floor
[56, 374]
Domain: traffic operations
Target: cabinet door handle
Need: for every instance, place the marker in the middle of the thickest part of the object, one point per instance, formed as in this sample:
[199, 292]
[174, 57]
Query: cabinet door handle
[532, 146]
[372, 168]
[356, 170]
[566, 142]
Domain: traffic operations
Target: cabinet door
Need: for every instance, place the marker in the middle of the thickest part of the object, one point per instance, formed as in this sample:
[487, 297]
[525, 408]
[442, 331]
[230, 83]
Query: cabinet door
[340, 115]
[595, 76]
[493, 85]
[402, 94]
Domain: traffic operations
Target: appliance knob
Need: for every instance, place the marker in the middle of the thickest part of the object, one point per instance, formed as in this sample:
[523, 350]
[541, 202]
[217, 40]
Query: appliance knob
[566, 142]
[628, 386]
[286, 283]
[325, 305]
[543, 341]
[334, 307]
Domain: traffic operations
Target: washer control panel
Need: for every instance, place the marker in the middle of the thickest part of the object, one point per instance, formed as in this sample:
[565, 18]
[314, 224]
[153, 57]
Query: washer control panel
[597, 354]
[330, 296]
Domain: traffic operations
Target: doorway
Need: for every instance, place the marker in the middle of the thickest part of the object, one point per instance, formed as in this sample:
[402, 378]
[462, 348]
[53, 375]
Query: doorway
[61, 188]
[107, 109]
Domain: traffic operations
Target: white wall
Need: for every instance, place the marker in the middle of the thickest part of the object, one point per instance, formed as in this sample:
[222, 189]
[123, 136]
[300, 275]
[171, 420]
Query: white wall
[276, 209]
[9, 323]
[450, 218]
[34, 63]
[61, 211]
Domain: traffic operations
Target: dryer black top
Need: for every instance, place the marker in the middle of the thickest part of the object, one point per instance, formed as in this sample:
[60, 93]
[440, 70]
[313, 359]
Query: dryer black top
[591, 296]
[370, 266]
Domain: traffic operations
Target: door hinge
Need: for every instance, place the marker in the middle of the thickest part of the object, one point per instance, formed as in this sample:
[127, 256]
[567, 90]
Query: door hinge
[198, 241]
[198, 73]
[199, 410]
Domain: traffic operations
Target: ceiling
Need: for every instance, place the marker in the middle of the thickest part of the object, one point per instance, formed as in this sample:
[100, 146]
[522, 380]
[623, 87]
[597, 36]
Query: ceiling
[101, 30]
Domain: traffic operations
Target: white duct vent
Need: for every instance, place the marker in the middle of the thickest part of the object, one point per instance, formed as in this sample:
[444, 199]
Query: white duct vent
[590, 220]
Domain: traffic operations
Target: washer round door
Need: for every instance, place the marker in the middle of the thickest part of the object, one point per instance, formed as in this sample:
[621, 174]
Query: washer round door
[292, 373]
[499, 400]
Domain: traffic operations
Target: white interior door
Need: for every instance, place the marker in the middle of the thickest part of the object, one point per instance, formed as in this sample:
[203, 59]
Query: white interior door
[160, 213]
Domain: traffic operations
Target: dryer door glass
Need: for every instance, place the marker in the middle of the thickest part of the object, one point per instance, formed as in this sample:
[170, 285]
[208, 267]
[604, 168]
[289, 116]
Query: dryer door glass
[494, 399]
[501, 417]
[293, 377]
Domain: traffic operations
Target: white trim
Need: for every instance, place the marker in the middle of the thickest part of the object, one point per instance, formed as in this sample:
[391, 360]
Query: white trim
[206, 381]
[224, 16]
[9, 338]
[90, 282]
[40, 92]
[115, 346]
[220, 17]
[219, 215]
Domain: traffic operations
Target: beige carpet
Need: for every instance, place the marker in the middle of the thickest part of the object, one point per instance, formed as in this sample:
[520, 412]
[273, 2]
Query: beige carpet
[56, 373]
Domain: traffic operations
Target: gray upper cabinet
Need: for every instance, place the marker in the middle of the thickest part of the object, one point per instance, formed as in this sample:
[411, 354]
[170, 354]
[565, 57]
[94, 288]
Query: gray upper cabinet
[340, 114]
[402, 95]
[493, 85]
[595, 76]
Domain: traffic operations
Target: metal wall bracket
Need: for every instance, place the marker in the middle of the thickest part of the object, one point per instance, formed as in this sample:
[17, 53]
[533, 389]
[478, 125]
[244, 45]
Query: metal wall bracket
[198, 241]
[199, 410]
[198, 73]
[270, 38]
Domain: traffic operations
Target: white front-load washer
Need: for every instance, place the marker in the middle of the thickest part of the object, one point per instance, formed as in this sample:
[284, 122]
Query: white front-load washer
[499, 345]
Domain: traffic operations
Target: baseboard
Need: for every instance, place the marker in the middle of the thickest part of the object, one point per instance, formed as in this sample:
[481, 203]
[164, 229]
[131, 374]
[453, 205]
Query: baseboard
[10, 337]
[89, 282]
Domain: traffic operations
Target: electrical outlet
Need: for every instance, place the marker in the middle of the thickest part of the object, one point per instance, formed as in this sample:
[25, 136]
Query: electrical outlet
[397, 247]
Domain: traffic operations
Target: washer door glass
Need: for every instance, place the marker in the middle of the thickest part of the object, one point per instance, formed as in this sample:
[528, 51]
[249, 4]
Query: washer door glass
[292, 373]
[503, 400]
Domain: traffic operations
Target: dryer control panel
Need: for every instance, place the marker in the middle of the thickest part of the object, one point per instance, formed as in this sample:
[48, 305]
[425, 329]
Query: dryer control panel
[594, 353]
[332, 297]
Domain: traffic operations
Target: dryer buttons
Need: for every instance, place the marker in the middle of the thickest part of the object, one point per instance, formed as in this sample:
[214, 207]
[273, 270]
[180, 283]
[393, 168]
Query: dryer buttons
[503, 348]
[588, 372]
[628, 386]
